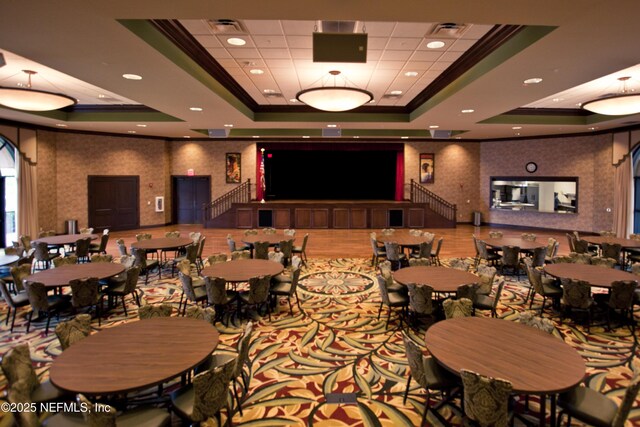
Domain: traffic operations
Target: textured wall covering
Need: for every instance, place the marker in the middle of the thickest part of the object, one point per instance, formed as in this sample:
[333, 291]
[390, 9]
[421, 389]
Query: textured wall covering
[47, 192]
[457, 166]
[587, 157]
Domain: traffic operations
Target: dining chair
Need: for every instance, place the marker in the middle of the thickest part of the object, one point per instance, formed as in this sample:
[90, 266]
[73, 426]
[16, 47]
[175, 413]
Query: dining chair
[59, 261]
[594, 408]
[73, 330]
[193, 294]
[296, 263]
[195, 236]
[199, 260]
[100, 248]
[420, 262]
[487, 275]
[529, 237]
[289, 232]
[395, 255]
[191, 256]
[19, 273]
[149, 311]
[435, 254]
[128, 287]
[14, 302]
[81, 250]
[378, 251]
[424, 250]
[420, 302]
[208, 314]
[251, 232]
[85, 293]
[286, 248]
[218, 296]
[461, 264]
[544, 287]
[621, 299]
[244, 254]
[257, 295]
[581, 258]
[391, 299]
[538, 256]
[287, 289]
[42, 257]
[302, 249]
[146, 265]
[611, 250]
[495, 234]
[25, 239]
[261, 250]
[603, 262]
[486, 399]
[216, 259]
[491, 258]
[576, 295]
[122, 248]
[17, 366]
[233, 246]
[101, 258]
[529, 319]
[454, 308]
[551, 249]
[488, 302]
[143, 236]
[510, 259]
[429, 375]
[44, 304]
[268, 230]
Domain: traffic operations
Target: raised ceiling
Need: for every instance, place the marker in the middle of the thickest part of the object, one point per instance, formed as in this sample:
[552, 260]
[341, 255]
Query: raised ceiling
[577, 47]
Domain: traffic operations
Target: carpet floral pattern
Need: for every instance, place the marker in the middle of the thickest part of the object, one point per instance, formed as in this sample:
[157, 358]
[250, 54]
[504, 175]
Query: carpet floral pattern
[334, 346]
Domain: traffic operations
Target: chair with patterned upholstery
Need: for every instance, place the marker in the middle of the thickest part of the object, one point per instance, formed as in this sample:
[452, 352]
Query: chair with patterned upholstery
[43, 303]
[435, 254]
[59, 261]
[261, 250]
[128, 287]
[287, 289]
[192, 293]
[611, 250]
[594, 408]
[510, 259]
[551, 250]
[469, 291]
[429, 375]
[488, 302]
[195, 236]
[576, 295]
[252, 232]
[276, 257]
[544, 287]
[42, 257]
[85, 293]
[562, 259]
[143, 236]
[461, 264]
[100, 248]
[81, 250]
[495, 234]
[122, 248]
[199, 260]
[420, 302]
[149, 311]
[621, 299]
[387, 231]
[25, 239]
[378, 251]
[14, 302]
[538, 256]
[302, 249]
[191, 256]
[424, 250]
[233, 246]
[391, 299]
[487, 275]
[268, 230]
[208, 314]
[101, 258]
[491, 258]
[392, 285]
[240, 255]
[486, 399]
[420, 262]
[581, 258]
[289, 232]
[454, 308]
[257, 295]
[218, 295]
[286, 248]
[603, 262]
[19, 273]
[73, 330]
[146, 265]
[17, 366]
[529, 237]
[581, 246]
[216, 259]
[529, 319]
[395, 255]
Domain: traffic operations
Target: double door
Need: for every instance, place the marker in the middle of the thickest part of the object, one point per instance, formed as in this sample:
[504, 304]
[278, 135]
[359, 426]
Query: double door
[189, 195]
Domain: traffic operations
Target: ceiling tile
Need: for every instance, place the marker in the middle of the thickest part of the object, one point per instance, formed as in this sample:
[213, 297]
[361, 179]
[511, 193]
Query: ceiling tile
[379, 29]
[301, 53]
[390, 65]
[280, 63]
[451, 56]
[219, 53]
[403, 43]
[373, 55]
[269, 41]
[208, 40]
[275, 53]
[244, 53]
[411, 29]
[476, 31]
[396, 55]
[228, 62]
[417, 66]
[377, 43]
[426, 55]
[298, 28]
[461, 45]
[300, 42]
[263, 27]
[196, 26]
[440, 66]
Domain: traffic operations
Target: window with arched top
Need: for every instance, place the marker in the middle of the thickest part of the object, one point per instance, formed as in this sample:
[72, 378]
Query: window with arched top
[8, 193]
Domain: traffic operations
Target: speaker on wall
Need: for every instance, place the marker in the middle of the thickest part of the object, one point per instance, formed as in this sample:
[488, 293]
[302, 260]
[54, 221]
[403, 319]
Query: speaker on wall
[218, 133]
[440, 134]
[331, 133]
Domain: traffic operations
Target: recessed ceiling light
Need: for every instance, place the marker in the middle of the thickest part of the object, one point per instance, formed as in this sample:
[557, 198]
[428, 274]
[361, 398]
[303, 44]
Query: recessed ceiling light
[228, 125]
[269, 91]
[101, 96]
[593, 128]
[467, 110]
[458, 137]
[141, 126]
[434, 127]
[61, 125]
[435, 44]
[306, 136]
[186, 136]
[131, 131]
[332, 126]
[411, 73]
[256, 71]
[404, 137]
[557, 99]
[533, 81]
[236, 41]
[516, 127]
[132, 77]
[293, 100]
[356, 137]
[256, 136]
[195, 108]
[396, 92]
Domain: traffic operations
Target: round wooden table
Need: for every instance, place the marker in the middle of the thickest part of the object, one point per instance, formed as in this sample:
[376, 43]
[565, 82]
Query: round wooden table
[441, 279]
[61, 276]
[162, 243]
[534, 361]
[242, 270]
[8, 259]
[134, 355]
[625, 243]
[65, 239]
[524, 245]
[402, 239]
[273, 239]
[592, 274]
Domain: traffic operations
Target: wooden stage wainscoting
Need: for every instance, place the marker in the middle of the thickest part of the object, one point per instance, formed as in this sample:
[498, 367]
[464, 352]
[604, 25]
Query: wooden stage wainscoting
[332, 214]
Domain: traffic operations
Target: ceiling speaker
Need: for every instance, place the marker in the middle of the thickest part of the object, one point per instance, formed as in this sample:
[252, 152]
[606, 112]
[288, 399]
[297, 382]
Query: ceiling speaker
[331, 133]
[440, 134]
[218, 133]
[339, 47]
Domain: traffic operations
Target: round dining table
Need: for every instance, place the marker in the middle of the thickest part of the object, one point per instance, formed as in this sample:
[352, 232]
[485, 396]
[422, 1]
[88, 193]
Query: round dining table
[242, 270]
[134, 355]
[625, 243]
[162, 243]
[64, 239]
[402, 239]
[524, 245]
[535, 362]
[441, 279]
[61, 276]
[595, 275]
[8, 259]
[273, 239]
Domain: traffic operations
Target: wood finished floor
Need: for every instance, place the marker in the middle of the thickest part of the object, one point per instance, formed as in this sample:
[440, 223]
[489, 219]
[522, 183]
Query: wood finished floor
[332, 243]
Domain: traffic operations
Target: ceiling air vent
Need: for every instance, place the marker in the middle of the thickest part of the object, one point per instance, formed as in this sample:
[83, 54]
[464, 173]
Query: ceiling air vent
[338, 26]
[448, 29]
[391, 96]
[273, 95]
[226, 26]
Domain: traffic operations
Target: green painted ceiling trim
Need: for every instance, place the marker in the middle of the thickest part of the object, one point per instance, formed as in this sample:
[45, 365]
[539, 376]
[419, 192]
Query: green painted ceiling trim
[55, 114]
[143, 29]
[121, 117]
[519, 119]
[525, 38]
[275, 132]
[332, 117]
[395, 133]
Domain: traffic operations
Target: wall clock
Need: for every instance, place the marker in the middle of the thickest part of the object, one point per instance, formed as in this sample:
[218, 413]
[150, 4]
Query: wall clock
[531, 167]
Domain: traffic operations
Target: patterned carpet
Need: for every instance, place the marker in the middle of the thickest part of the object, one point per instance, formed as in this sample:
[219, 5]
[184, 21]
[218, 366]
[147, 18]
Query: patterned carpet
[334, 343]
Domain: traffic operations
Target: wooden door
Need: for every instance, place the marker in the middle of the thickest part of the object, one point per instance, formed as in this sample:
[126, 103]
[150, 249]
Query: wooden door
[114, 202]
[190, 193]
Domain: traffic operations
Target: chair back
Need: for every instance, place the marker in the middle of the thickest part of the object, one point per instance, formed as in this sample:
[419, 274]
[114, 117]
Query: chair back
[251, 232]
[468, 291]
[611, 250]
[97, 414]
[538, 256]
[414, 232]
[104, 239]
[481, 249]
[571, 239]
[385, 268]
[581, 246]
[25, 239]
[47, 233]
[486, 399]
[41, 251]
[101, 258]
[438, 246]
[216, 290]
[454, 308]
[628, 400]
[495, 234]
[201, 248]
[296, 261]
[244, 343]
[82, 248]
[174, 234]
[149, 311]
[486, 274]
[581, 258]
[276, 257]
[268, 230]
[529, 237]
[231, 243]
[217, 259]
[429, 237]
[122, 248]
[16, 365]
[420, 262]
[286, 247]
[459, 264]
[295, 278]
[510, 256]
[261, 250]
[86, 230]
[141, 257]
[496, 297]
[415, 357]
[552, 247]
[562, 259]
[258, 289]
[424, 250]
[240, 255]
[304, 242]
[192, 253]
[535, 278]
[382, 286]
[84, 292]
[143, 236]
[37, 295]
[529, 319]
[622, 294]
[127, 260]
[576, 293]
[73, 330]
[187, 286]
[393, 251]
[289, 232]
[195, 237]
[133, 273]
[387, 231]
[420, 298]
[67, 260]
[607, 233]
[374, 244]
[19, 273]
[603, 262]
[207, 314]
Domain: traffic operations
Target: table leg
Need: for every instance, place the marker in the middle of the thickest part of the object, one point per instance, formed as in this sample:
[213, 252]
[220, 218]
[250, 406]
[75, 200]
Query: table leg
[552, 417]
[543, 410]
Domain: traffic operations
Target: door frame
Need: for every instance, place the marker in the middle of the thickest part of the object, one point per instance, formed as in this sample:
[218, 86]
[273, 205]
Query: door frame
[174, 205]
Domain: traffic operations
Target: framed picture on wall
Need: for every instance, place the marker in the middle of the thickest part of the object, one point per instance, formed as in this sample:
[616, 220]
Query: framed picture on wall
[159, 204]
[427, 168]
[232, 164]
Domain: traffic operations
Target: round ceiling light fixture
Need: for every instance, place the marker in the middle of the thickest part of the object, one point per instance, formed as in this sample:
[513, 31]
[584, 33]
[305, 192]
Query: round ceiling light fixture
[626, 102]
[334, 98]
[28, 99]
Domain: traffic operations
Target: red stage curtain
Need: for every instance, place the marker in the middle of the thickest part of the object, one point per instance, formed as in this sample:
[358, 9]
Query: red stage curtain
[399, 176]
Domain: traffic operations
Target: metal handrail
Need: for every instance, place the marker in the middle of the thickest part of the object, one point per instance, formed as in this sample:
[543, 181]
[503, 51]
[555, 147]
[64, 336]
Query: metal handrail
[420, 194]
